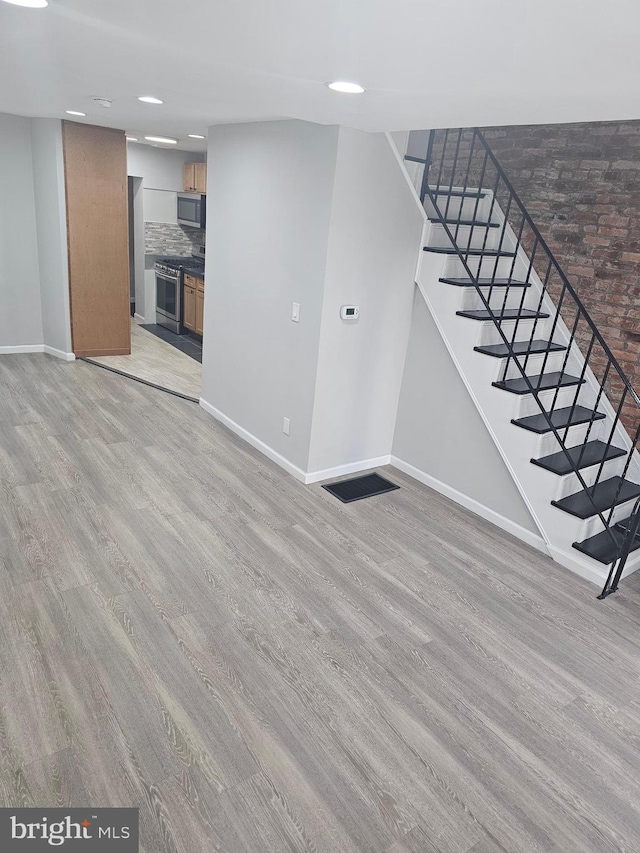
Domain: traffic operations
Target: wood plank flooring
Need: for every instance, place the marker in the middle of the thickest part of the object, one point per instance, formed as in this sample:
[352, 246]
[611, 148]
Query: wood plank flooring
[259, 668]
[156, 361]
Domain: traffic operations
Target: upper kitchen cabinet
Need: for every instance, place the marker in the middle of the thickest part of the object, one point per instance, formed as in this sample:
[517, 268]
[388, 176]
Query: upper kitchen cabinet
[95, 163]
[195, 178]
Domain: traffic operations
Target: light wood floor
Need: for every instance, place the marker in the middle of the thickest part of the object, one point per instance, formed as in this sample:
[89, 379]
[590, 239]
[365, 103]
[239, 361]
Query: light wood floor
[156, 361]
[260, 669]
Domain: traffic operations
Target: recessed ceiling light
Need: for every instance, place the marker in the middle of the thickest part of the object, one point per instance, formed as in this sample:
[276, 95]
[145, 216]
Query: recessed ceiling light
[132, 138]
[31, 4]
[161, 139]
[346, 88]
[75, 113]
[195, 136]
[149, 99]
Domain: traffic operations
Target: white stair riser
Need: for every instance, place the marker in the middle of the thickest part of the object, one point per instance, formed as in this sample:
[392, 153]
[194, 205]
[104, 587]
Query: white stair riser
[570, 484]
[485, 332]
[497, 297]
[458, 208]
[486, 267]
[592, 526]
[526, 329]
[502, 368]
[574, 529]
[534, 365]
[476, 237]
[576, 435]
[565, 398]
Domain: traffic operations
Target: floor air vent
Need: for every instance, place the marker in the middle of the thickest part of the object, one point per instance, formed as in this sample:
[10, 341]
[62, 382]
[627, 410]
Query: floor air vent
[360, 487]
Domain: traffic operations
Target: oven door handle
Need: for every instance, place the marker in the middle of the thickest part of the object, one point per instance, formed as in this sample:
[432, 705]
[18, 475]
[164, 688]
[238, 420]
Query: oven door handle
[173, 278]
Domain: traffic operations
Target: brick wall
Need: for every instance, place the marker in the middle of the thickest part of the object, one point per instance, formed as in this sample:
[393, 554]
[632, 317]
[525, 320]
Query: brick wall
[581, 184]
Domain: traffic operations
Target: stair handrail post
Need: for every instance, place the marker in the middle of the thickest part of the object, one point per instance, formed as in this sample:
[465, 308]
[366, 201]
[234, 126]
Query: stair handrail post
[427, 165]
[611, 585]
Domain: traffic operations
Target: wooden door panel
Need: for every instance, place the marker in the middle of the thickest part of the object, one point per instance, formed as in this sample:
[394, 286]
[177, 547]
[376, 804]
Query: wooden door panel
[95, 161]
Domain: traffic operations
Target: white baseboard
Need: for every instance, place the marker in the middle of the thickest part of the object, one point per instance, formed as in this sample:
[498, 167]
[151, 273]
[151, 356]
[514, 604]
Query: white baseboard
[59, 353]
[139, 317]
[350, 468]
[589, 569]
[304, 477]
[22, 348]
[473, 505]
[269, 452]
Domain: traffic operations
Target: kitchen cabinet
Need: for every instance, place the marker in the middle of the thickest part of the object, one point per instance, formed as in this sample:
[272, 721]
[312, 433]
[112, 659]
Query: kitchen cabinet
[195, 178]
[189, 308]
[199, 311]
[193, 311]
[189, 177]
[200, 177]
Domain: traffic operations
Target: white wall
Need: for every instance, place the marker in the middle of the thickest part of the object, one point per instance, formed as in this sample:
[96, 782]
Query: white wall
[159, 174]
[417, 143]
[161, 168]
[374, 241]
[160, 205]
[267, 245]
[162, 177]
[138, 249]
[440, 433]
[50, 208]
[20, 312]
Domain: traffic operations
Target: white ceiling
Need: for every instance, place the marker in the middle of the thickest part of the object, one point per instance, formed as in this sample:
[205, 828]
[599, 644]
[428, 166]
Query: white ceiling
[424, 64]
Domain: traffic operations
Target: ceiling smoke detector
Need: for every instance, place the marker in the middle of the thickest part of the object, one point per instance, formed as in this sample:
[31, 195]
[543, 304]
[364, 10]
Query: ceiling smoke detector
[102, 102]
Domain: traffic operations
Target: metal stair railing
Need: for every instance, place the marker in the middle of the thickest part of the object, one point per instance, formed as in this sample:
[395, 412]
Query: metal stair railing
[460, 164]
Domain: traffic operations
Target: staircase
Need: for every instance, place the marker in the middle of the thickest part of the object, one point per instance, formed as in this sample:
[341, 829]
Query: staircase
[556, 402]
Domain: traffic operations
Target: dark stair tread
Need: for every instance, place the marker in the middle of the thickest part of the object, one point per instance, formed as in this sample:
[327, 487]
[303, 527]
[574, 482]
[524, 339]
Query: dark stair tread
[541, 382]
[583, 455]
[520, 348]
[599, 498]
[561, 418]
[485, 253]
[457, 193]
[601, 548]
[472, 223]
[486, 282]
[507, 314]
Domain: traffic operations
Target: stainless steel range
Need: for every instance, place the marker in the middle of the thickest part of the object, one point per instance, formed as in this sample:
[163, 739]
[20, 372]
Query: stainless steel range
[169, 272]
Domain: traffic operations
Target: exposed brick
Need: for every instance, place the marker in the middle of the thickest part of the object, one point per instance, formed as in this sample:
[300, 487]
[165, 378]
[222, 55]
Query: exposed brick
[585, 272]
[613, 232]
[626, 164]
[581, 183]
[614, 219]
[594, 164]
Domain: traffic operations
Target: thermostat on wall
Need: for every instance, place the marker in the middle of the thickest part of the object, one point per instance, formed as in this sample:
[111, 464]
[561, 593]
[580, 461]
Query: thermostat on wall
[349, 312]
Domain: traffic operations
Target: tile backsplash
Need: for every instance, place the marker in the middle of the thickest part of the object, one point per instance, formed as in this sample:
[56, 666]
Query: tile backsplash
[164, 238]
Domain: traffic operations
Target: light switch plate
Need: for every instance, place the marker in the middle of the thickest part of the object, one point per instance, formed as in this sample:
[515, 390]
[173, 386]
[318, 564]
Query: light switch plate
[295, 312]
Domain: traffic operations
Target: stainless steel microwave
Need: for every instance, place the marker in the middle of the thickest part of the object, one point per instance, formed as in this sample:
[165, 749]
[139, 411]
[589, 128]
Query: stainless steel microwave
[192, 210]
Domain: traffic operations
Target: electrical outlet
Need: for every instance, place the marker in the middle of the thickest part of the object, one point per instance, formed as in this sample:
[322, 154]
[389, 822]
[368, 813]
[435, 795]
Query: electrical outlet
[295, 312]
[286, 426]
